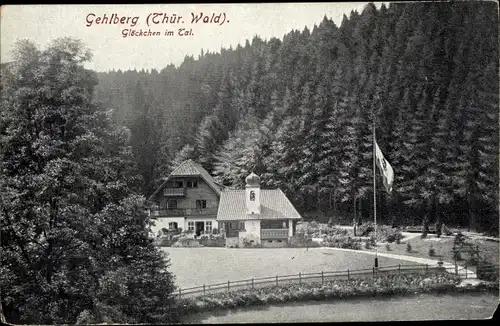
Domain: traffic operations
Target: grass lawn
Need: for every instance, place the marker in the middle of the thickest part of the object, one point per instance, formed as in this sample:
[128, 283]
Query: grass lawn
[198, 266]
[489, 250]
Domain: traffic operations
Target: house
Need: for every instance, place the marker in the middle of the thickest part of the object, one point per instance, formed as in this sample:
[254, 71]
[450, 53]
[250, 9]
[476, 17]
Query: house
[187, 199]
[256, 216]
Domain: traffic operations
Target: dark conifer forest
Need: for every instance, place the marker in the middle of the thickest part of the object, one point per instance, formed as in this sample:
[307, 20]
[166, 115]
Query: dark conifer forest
[298, 111]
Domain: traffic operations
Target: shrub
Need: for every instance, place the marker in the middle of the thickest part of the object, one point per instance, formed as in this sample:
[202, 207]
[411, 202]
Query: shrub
[460, 239]
[345, 242]
[165, 242]
[432, 251]
[387, 247]
[368, 244]
[394, 235]
[186, 242]
[298, 241]
[380, 285]
[248, 243]
[425, 229]
[438, 227]
[458, 242]
[365, 229]
[213, 242]
[385, 233]
[408, 247]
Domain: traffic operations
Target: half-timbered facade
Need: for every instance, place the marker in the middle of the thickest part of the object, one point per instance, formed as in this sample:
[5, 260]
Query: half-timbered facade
[187, 199]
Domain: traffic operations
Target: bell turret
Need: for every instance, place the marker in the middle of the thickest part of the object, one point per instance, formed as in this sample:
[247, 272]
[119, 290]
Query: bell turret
[252, 193]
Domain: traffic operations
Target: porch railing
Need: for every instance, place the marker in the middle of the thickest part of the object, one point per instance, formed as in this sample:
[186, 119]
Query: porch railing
[180, 212]
[274, 233]
[174, 192]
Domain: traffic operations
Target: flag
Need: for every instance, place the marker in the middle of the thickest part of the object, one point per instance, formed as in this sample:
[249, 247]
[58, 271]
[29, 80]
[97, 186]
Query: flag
[385, 168]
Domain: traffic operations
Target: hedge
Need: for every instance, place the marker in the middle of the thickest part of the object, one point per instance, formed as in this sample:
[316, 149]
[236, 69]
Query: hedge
[382, 285]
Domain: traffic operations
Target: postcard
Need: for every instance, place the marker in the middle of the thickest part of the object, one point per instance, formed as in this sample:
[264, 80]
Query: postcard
[249, 163]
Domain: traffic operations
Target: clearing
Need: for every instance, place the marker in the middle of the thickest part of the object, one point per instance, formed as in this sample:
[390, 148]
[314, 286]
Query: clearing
[198, 266]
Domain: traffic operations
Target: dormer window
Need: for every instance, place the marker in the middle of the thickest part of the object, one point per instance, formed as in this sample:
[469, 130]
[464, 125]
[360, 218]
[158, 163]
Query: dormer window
[192, 183]
[252, 195]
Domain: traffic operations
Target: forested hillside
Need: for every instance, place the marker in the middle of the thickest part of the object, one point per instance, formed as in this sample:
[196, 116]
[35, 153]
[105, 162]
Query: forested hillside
[299, 112]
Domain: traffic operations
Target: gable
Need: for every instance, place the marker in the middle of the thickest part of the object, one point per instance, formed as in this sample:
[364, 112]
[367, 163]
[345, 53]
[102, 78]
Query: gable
[189, 169]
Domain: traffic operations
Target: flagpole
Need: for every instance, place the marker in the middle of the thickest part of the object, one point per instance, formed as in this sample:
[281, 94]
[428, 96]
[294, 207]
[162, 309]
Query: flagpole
[374, 190]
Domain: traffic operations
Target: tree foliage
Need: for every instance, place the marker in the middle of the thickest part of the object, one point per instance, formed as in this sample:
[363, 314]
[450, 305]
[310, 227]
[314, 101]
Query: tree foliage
[74, 233]
[427, 71]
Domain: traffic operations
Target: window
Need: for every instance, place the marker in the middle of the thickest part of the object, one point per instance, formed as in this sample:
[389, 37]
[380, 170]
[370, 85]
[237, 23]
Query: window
[192, 184]
[208, 226]
[201, 203]
[178, 184]
[242, 226]
[171, 204]
[172, 226]
[191, 226]
[252, 195]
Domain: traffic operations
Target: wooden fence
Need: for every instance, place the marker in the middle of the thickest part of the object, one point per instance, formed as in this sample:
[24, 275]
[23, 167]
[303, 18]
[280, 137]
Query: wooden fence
[304, 277]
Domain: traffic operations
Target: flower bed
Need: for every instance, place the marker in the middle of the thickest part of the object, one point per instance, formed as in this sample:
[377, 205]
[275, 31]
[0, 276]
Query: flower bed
[332, 236]
[339, 289]
[345, 242]
[301, 242]
[385, 233]
[212, 241]
[165, 242]
[187, 242]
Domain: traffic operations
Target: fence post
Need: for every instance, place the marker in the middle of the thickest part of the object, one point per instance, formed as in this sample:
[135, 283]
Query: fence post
[180, 293]
[203, 289]
[322, 278]
[348, 275]
[466, 270]
[252, 282]
[426, 267]
[373, 271]
[228, 285]
[399, 269]
[276, 280]
[300, 279]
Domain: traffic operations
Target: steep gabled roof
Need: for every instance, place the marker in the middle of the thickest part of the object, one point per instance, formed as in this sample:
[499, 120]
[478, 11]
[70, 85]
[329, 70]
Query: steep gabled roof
[189, 168]
[274, 206]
